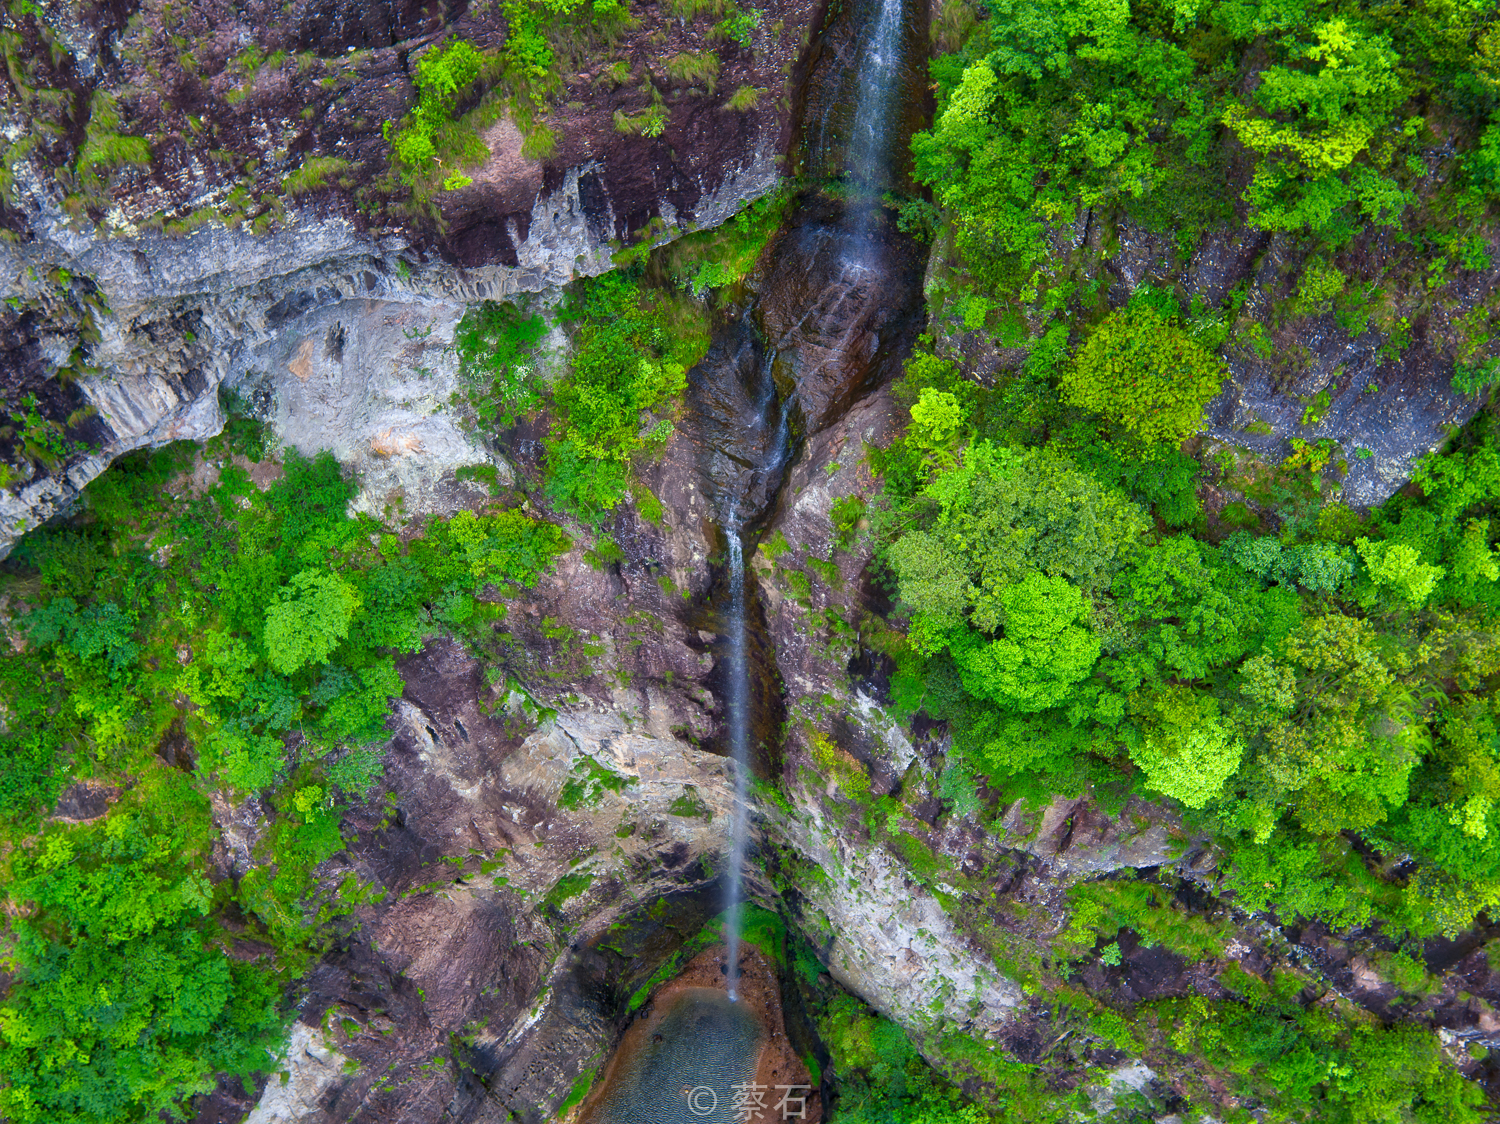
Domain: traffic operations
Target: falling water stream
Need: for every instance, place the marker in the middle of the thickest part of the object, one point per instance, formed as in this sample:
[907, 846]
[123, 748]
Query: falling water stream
[739, 742]
[827, 317]
[879, 69]
[868, 164]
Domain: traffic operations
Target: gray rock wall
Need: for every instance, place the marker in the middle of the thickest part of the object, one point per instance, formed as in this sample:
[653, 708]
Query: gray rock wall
[186, 314]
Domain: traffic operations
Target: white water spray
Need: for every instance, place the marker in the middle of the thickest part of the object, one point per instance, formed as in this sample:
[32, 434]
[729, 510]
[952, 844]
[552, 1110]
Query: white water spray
[879, 76]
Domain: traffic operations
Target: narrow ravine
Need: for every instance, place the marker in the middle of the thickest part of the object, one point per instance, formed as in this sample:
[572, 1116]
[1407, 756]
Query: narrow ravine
[739, 742]
[755, 420]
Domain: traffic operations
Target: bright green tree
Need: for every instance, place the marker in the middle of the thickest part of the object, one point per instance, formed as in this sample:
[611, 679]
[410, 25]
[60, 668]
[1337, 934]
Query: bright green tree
[1338, 732]
[306, 624]
[1186, 747]
[1045, 649]
[1397, 568]
[1314, 121]
[1145, 373]
[936, 420]
[1014, 540]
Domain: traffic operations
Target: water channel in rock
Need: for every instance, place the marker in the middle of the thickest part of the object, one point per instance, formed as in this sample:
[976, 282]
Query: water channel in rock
[829, 315]
[796, 360]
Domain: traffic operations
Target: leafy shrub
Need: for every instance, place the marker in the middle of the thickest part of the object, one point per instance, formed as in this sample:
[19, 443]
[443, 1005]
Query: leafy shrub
[1145, 373]
[1162, 476]
[228, 616]
[649, 122]
[631, 352]
[883, 1079]
[739, 26]
[1310, 119]
[1046, 109]
[1000, 515]
[125, 1004]
[441, 76]
[495, 343]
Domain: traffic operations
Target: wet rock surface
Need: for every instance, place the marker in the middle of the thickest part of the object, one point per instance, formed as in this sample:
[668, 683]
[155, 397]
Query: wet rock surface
[837, 69]
[1384, 412]
[555, 813]
[840, 306]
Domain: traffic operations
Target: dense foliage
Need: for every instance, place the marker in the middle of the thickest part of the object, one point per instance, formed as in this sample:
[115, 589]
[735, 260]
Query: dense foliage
[260, 626]
[1293, 673]
[127, 1002]
[1311, 687]
[884, 1080]
[1052, 106]
[1145, 373]
[1278, 683]
[632, 345]
[631, 352]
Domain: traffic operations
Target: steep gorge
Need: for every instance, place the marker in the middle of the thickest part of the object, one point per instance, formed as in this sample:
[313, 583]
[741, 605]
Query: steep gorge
[552, 828]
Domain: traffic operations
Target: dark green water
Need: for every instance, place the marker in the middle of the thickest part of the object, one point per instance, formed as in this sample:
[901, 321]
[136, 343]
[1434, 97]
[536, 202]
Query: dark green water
[708, 1044]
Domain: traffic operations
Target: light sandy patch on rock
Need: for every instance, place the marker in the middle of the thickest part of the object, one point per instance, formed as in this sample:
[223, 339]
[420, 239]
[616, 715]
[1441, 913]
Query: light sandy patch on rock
[506, 166]
[892, 942]
[1366, 978]
[370, 380]
[1128, 1077]
[392, 444]
[301, 363]
[311, 1066]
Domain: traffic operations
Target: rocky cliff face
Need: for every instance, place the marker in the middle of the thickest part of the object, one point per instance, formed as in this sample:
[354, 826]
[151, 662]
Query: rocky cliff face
[1369, 383]
[133, 290]
[554, 823]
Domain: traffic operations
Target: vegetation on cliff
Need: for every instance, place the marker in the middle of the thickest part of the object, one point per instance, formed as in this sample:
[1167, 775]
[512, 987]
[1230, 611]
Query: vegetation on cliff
[1310, 685]
[246, 635]
[1291, 672]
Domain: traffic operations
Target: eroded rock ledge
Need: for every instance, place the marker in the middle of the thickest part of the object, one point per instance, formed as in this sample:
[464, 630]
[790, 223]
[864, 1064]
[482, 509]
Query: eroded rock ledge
[123, 334]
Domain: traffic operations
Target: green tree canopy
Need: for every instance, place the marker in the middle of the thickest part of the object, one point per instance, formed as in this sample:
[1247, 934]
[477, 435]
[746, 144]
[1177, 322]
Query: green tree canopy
[1013, 542]
[1005, 512]
[1145, 373]
[1046, 647]
[1187, 748]
[309, 620]
[1338, 732]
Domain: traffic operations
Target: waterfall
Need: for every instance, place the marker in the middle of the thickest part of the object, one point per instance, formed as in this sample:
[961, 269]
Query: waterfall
[879, 74]
[753, 468]
[739, 739]
[773, 440]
